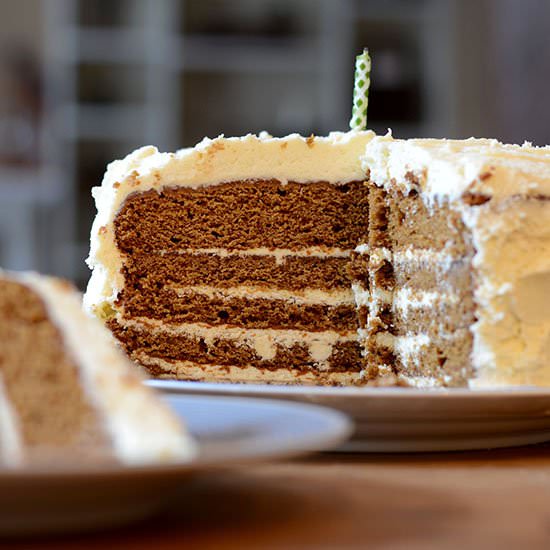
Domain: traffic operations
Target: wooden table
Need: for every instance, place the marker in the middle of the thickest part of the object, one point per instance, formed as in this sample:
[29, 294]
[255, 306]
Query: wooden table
[490, 499]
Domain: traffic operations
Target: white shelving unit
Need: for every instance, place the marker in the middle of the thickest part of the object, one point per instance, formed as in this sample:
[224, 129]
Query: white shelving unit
[305, 76]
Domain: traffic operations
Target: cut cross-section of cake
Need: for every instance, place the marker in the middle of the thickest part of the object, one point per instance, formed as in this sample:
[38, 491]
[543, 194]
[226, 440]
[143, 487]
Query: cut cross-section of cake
[230, 261]
[67, 394]
[350, 259]
[458, 257]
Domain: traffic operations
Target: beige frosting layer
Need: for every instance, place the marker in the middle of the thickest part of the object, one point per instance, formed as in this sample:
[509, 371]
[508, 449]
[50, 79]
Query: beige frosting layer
[187, 370]
[307, 296]
[335, 159]
[512, 335]
[447, 168]
[280, 254]
[142, 428]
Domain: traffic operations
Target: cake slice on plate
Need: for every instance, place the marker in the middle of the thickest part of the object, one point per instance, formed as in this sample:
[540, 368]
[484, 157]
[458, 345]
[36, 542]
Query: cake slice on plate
[66, 392]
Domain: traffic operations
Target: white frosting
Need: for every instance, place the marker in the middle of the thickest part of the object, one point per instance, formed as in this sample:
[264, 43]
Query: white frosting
[406, 298]
[305, 296]
[448, 168]
[142, 428]
[335, 159]
[512, 335]
[280, 254]
[361, 295]
[228, 373]
[11, 445]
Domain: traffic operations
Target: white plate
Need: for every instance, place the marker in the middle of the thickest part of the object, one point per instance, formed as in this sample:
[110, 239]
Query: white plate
[411, 420]
[229, 431]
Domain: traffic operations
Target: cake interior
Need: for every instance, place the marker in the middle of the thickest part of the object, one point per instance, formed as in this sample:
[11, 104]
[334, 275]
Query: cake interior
[415, 323]
[323, 283]
[244, 280]
[41, 382]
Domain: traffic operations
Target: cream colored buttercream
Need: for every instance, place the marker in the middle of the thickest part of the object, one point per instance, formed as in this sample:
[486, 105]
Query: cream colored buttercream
[308, 296]
[247, 374]
[446, 169]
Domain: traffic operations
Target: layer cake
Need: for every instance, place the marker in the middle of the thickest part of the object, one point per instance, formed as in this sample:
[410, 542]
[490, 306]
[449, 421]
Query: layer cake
[347, 259]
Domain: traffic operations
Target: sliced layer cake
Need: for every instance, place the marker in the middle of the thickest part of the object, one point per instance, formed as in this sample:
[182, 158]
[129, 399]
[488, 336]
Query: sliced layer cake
[67, 395]
[350, 259]
[231, 260]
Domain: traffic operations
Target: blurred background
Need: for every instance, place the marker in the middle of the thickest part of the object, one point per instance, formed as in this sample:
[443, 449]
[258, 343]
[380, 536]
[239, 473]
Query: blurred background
[83, 82]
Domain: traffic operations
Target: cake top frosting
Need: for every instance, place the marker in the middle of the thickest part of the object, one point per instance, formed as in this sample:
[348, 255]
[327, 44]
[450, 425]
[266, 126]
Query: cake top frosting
[449, 168]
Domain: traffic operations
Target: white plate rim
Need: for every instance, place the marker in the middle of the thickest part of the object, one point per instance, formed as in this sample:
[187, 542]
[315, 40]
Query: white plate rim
[185, 386]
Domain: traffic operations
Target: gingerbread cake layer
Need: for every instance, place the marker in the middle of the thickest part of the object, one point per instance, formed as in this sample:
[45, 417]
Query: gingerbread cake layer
[41, 382]
[311, 268]
[215, 307]
[244, 214]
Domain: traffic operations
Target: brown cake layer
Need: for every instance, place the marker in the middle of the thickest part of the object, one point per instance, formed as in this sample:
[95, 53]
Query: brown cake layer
[358, 269]
[41, 381]
[147, 271]
[165, 304]
[433, 276]
[413, 223]
[244, 214]
[346, 356]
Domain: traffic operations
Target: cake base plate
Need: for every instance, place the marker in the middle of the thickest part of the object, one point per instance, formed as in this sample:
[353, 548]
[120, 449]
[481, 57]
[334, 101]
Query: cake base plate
[402, 420]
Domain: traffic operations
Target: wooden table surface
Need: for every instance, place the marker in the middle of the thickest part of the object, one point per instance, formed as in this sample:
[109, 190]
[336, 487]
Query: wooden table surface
[489, 499]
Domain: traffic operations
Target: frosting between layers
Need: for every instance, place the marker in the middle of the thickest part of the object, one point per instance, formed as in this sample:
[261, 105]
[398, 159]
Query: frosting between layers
[446, 169]
[306, 296]
[334, 159]
[142, 428]
[280, 254]
[187, 370]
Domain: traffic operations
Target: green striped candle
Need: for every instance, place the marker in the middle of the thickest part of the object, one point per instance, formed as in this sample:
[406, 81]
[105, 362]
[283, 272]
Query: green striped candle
[361, 91]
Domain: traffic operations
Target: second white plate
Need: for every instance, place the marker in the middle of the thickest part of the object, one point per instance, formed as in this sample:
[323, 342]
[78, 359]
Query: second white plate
[408, 420]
